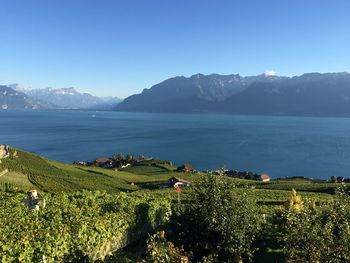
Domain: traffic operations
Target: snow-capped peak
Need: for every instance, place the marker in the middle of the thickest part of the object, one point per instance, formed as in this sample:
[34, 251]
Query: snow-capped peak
[270, 72]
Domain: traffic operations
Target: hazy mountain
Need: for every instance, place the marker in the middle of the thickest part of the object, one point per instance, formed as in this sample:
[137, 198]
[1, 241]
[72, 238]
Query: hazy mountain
[70, 98]
[12, 99]
[309, 94]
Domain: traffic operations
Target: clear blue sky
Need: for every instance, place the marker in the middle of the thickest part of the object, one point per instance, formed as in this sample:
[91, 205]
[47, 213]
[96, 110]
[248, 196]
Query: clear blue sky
[121, 47]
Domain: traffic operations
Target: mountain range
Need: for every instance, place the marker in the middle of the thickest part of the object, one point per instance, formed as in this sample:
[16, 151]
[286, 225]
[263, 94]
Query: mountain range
[50, 98]
[12, 99]
[311, 94]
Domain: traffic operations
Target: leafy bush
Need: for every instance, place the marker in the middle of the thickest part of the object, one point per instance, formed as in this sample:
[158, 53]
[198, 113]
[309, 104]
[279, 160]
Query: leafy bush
[163, 251]
[75, 227]
[317, 234]
[220, 223]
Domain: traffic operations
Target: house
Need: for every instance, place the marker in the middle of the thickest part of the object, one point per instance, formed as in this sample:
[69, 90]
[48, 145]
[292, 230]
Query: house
[175, 182]
[186, 168]
[81, 163]
[104, 162]
[125, 165]
[4, 151]
[264, 178]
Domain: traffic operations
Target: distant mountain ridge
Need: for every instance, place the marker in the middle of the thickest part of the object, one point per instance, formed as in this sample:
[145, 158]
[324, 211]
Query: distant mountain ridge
[12, 99]
[314, 94]
[69, 98]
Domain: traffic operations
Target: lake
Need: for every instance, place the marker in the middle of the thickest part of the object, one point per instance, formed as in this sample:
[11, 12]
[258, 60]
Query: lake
[279, 146]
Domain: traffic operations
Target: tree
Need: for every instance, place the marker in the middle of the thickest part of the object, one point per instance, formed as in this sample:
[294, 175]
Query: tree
[224, 220]
[118, 157]
[129, 157]
[141, 157]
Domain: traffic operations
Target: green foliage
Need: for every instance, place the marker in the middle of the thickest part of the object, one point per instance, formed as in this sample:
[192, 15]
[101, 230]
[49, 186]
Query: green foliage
[219, 218]
[219, 222]
[162, 251]
[7, 187]
[75, 227]
[18, 181]
[294, 202]
[13, 154]
[317, 234]
[300, 185]
[118, 157]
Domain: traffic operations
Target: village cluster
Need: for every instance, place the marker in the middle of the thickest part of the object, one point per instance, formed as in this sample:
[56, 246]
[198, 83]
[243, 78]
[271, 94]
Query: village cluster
[119, 161]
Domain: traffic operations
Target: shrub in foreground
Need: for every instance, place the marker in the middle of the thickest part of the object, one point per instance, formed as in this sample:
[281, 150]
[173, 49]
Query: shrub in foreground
[317, 234]
[220, 224]
[161, 250]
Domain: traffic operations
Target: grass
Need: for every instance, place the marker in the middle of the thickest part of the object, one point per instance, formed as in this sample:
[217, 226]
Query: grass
[29, 170]
[17, 180]
[142, 176]
[300, 185]
[54, 177]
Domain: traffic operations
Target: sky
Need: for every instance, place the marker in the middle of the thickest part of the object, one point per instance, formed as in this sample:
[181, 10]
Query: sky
[118, 48]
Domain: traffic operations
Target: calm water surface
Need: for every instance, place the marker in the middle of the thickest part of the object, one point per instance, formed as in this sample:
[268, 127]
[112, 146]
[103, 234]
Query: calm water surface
[279, 146]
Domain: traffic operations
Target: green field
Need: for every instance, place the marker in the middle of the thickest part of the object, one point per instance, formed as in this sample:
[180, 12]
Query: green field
[17, 180]
[29, 171]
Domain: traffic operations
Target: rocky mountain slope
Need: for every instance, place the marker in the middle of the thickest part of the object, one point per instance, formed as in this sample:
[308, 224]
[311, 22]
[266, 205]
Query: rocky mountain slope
[309, 94]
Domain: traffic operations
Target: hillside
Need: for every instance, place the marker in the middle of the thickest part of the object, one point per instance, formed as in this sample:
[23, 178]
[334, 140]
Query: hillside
[312, 94]
[86, 202]
[28, 171]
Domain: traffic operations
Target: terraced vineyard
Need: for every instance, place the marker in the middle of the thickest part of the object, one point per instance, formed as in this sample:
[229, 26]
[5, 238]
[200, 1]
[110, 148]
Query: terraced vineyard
[87, 199]
[78, 227]
[29, 170]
